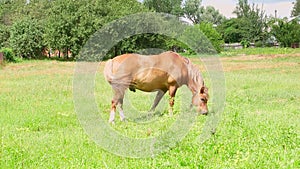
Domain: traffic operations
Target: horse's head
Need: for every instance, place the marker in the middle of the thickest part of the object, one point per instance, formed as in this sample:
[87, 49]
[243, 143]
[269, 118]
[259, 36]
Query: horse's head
[200, 100]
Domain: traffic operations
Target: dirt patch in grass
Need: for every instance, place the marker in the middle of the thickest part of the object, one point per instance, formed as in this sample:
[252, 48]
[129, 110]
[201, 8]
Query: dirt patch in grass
[243, 66]
[38, 68]
[246, 62]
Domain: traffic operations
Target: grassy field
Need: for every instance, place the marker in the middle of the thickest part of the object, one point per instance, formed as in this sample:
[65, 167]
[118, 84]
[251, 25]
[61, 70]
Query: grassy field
[259, 128]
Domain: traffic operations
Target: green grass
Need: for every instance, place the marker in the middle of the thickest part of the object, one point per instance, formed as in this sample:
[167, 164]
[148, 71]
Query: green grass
[259, 128]
[260, 51]
[252, 51]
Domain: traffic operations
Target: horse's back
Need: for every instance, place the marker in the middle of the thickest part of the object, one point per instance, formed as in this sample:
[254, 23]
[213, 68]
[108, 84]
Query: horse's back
[135, 68]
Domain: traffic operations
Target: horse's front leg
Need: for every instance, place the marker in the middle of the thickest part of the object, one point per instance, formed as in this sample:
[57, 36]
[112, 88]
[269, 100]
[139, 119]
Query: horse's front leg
[172, 92]
[159, 95]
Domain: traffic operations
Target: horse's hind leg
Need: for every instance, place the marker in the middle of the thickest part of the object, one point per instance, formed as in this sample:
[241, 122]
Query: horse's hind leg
[157, 99]
[117, 100]
[113, 108]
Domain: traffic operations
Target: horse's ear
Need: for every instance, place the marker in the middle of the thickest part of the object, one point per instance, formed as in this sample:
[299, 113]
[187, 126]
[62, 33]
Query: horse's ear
[186, 60]
[203, 90]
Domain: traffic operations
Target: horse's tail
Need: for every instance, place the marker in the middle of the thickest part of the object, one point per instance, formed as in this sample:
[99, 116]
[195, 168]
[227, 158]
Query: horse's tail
[108, 70]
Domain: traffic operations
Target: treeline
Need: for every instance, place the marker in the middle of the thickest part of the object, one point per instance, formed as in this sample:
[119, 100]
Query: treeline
[62, 26]
[44, 27]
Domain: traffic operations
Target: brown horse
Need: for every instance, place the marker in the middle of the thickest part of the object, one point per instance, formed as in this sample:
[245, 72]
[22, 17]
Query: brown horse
[154, 73]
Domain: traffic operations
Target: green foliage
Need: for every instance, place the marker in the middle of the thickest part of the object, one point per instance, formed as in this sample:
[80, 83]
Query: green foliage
[212, 15]
[250, 24]
[197, 13]
[165, 6]
[233, 30]
[65, 24]
[193, 10]
[8, 10]
[69, 30]
[134, 33]
[26, 38]
[243, 9]
[60, 34]
[212, 34]
[259, 44]
[4, 35]
[285, 32]
[296, 8]
[9, 56]
[245, 43]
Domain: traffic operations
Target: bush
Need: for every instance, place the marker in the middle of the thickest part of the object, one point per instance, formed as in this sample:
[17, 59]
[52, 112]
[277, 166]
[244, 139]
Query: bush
[259, 44]
[245, 43]
[8, 55]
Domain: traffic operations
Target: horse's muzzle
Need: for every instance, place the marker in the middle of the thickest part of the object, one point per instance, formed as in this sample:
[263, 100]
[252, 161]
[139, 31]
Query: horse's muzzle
[204, 113]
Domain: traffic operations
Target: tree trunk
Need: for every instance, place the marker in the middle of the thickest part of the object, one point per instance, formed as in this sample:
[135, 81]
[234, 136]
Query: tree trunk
[67, 52]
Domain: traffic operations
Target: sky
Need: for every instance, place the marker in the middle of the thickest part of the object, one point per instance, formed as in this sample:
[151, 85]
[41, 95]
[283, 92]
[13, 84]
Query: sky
[226, 7]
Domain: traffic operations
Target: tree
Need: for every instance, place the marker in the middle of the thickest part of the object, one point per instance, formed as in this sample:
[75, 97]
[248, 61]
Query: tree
[193, 10]
[165, 6]
[4, 36]
[71, 23]
[286, 32]
[26, 38]
[9, 11]
[211, 15]
[211, 33]
[242, 9]
[296, 8]
[197, 13]
[233, 30]
[253, 20]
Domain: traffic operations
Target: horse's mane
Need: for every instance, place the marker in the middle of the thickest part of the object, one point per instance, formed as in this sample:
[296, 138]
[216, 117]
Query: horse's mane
[195, 74]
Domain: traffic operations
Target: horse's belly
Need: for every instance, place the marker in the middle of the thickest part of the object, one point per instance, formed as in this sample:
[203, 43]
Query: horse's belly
[150, 80]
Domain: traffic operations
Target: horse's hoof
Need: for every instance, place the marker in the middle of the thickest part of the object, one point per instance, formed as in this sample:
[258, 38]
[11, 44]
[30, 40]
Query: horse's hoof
[111, 121]
[123, 119]
[171, 113]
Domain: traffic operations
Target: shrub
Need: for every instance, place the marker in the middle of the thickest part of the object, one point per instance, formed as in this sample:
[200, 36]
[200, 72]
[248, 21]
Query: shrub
[8, 55]
[259, 44]
[245, 43]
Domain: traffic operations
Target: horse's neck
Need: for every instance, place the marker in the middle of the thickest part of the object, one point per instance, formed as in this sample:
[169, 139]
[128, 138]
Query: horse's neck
[194, 87]
[195, 81]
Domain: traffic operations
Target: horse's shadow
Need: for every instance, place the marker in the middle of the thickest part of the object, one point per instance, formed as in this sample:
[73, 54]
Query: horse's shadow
[147, 117]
